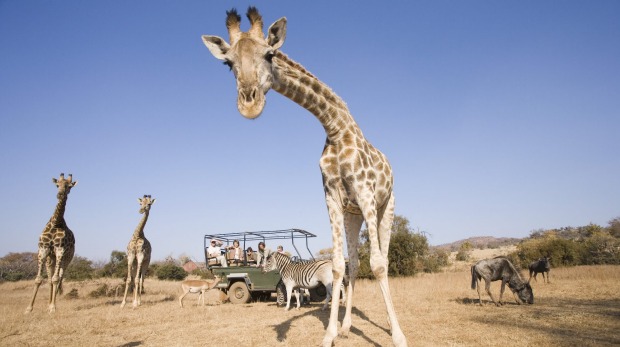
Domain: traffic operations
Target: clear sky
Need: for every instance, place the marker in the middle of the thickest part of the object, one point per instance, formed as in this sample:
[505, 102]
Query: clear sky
[498, 117]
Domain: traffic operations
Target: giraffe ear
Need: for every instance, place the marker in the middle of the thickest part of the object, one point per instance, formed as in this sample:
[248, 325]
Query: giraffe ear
[139, 200]
[277, 33]
[74, 183]
[153, 201]
[54, 180]
[216, 45]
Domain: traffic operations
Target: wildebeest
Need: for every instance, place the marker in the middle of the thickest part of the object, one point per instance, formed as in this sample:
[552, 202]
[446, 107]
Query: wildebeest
[500, 268]
[541, 265]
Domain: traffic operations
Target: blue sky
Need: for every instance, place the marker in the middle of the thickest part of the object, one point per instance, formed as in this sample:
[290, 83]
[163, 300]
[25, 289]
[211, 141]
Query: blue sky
[498, 118]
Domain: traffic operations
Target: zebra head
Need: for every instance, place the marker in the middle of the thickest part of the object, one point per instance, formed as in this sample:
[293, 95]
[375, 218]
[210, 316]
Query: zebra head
[275, 261]
[270, 263]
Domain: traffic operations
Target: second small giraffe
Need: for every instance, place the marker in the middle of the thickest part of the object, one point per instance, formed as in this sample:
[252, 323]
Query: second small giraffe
[138, 254]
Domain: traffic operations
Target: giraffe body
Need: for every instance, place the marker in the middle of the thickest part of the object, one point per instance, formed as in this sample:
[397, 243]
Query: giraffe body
[56, 245]
[138, 255]
[357, 178]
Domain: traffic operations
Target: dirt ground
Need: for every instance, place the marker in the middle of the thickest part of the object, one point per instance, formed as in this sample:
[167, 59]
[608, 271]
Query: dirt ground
[580, 307]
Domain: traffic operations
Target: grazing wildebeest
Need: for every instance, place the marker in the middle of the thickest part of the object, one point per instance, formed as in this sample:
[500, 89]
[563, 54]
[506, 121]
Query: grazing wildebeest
[541, 265]
[500, 268]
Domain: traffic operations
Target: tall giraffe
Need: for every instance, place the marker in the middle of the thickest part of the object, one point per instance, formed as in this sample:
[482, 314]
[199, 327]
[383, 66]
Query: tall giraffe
[56, 245]
[138, 254]
[357, 177]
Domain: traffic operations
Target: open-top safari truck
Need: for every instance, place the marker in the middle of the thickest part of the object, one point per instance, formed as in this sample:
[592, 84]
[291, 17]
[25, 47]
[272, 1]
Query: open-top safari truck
[242, 280]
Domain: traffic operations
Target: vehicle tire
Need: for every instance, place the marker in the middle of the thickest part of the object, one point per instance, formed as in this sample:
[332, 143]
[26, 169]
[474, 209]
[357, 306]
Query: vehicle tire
[318, 294]
[238, 293]
[281, 294]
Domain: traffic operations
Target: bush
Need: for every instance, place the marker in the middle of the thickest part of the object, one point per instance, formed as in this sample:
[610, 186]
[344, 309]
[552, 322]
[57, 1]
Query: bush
[18, 266]
[464, 251]
[170, 271]
[79, 269]
[116, 267]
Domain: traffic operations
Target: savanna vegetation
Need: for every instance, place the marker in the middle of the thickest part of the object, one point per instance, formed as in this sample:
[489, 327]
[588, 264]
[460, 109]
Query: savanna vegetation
[409, 254]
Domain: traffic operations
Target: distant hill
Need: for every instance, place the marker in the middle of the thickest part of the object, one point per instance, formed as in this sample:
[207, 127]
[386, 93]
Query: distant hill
[480, 242]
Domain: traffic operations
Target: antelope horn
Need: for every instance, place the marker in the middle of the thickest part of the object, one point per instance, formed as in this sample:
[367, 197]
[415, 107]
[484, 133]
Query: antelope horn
[233, 24]
[257, 23]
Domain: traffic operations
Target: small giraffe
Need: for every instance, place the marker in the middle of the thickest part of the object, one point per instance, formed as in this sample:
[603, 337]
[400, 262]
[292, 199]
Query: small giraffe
[138, 249]
[56, 245]
[357, 178]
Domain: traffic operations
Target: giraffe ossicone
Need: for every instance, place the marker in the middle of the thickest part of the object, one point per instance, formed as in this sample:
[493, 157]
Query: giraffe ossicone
[357, 178]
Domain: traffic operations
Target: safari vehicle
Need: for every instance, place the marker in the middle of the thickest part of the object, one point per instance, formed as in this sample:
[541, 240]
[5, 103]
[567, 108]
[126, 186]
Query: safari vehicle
[242, 280]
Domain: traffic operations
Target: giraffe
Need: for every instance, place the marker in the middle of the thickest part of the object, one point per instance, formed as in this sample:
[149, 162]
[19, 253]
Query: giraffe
[56, 245]
[357, 178]
[138, 249]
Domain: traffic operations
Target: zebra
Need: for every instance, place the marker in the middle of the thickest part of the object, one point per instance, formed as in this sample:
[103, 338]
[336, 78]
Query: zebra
[301, 275]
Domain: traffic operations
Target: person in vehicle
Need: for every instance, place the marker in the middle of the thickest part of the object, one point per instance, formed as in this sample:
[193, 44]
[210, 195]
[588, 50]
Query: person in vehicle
[280, 249]
[235, 253]
[214, 252]
[262, 254]
[251, 256]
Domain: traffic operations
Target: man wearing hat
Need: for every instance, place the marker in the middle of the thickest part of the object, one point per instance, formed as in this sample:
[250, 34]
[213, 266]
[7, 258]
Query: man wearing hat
[214, 251]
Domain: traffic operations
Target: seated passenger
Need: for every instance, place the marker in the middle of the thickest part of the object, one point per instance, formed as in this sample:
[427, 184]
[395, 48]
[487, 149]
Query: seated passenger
[235, 254]
[214, 254]
[250, 256]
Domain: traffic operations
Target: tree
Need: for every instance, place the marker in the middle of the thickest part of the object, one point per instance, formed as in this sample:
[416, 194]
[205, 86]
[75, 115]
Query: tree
[464, 251]
[325, 254]
[79, 269]
[614, 227]
[117, 266]
[407, 254]
[171, 271]
[18, 266]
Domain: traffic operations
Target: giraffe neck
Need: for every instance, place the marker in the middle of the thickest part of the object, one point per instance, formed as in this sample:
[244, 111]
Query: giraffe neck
[139, 233]
[299, 85]
[58, 218]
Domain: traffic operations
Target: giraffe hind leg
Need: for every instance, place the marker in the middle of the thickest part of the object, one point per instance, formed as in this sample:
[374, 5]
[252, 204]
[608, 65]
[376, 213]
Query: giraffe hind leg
[353, 225]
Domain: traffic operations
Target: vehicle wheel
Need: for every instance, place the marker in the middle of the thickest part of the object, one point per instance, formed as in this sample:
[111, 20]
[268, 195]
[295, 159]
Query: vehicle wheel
[318, 294]
[281, 293]
[239, 293]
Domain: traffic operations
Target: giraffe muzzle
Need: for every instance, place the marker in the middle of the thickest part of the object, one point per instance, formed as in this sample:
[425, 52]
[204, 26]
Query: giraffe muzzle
[250, 102]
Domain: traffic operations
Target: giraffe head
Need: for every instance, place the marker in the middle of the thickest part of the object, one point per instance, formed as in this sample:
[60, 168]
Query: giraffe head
[145, 203]
[249, 56]
[64, 185]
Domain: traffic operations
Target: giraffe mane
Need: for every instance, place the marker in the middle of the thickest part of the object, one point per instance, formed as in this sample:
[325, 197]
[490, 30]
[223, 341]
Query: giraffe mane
[295, 66]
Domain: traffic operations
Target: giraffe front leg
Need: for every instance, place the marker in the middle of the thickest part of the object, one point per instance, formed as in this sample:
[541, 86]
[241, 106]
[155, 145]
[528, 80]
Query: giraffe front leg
[336, 219]
[60, 252]
[136, 287]
[43, 253]
[130, 259]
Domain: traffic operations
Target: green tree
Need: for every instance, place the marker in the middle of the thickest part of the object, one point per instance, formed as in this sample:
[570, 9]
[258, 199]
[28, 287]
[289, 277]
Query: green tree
[171, 271]
[614, 227]
[79, 269]
[117, 266]
[407, 254]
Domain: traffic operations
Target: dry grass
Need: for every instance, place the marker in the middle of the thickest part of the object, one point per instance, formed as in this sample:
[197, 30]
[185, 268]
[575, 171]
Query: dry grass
[580, 307]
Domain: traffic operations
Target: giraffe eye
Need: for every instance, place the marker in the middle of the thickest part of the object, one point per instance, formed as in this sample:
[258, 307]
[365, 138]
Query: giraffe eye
[269, 56]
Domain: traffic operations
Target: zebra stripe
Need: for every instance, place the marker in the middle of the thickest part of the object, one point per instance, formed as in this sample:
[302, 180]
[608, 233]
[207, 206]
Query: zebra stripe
[301, 275]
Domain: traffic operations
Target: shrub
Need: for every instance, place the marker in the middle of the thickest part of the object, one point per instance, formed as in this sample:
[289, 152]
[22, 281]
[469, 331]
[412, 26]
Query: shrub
[170, 271]
[79, 269]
